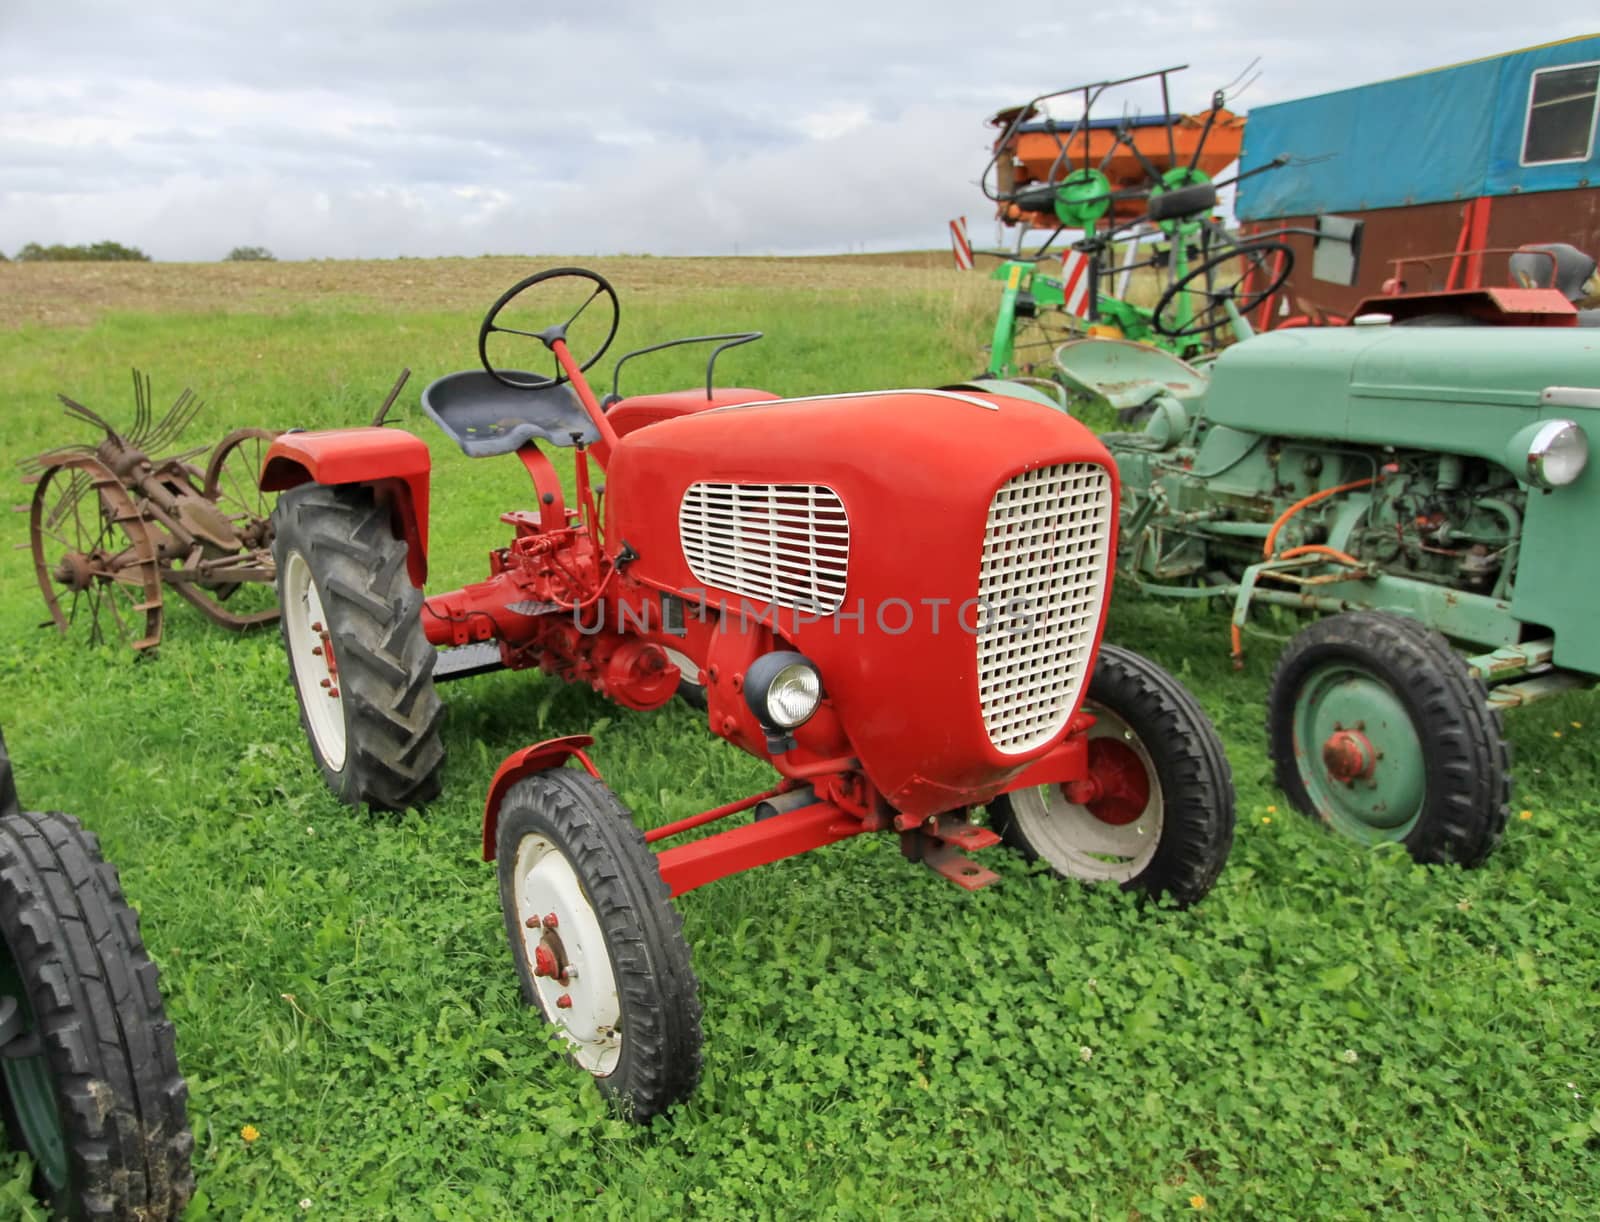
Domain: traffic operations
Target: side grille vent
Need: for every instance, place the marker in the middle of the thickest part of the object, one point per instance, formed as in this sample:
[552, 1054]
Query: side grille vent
[786, 544]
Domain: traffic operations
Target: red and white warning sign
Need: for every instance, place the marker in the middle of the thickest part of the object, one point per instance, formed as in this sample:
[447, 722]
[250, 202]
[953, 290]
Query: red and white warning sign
[1075, 282]
[960, 245]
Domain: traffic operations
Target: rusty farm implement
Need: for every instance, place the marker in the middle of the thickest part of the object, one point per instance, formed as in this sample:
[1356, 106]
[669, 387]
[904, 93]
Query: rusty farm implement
[112, 525]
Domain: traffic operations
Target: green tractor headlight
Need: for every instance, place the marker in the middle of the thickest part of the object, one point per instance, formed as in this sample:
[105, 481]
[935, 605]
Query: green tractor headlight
[1549, 454]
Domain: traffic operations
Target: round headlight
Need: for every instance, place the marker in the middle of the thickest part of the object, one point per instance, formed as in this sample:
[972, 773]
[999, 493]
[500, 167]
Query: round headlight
[783, 689]
[1557, 453]
[793, 695]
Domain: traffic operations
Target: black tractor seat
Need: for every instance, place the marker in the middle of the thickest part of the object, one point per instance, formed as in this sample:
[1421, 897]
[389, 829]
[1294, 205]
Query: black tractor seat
[1556, 265]
[485, 416]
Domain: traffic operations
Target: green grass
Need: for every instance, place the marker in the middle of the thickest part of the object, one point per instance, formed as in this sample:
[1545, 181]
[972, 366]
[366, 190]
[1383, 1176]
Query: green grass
[1332, 1032]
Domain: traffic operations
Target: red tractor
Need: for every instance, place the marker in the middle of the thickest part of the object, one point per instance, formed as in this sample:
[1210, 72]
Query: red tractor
[894, 597]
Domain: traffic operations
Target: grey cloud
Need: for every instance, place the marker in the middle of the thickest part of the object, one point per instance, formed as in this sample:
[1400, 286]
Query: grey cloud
[381, 127]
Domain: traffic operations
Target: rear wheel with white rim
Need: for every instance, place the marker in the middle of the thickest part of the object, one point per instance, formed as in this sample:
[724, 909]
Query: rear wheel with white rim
[314, 664]
[597, 944]
[1156, 812]
[358, 656]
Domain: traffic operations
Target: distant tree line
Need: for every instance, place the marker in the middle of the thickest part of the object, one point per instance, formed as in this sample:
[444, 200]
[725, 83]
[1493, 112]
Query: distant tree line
[97, 252]
[116, 252]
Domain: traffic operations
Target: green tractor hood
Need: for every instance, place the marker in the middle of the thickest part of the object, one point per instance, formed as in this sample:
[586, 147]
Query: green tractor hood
[1462, 389]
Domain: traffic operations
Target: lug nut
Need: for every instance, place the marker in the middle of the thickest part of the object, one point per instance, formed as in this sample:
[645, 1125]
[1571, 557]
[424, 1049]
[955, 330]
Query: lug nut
[564, 1002]
[532, 922]
[550, 921]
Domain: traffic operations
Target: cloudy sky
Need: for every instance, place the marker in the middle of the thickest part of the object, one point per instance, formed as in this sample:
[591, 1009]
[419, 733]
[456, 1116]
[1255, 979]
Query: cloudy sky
[375, 128]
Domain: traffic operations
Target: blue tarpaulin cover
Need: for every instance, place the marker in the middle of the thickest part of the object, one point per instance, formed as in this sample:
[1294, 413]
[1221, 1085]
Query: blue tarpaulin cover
[1453, 133]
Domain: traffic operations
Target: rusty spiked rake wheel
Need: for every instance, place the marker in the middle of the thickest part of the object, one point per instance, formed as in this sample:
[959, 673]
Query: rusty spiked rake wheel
[111, 525]
[94, 555]
[239, 513]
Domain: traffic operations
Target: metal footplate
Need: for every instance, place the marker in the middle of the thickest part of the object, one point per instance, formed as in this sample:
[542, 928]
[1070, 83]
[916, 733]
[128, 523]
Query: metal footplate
[463, 661]
[1531, 660]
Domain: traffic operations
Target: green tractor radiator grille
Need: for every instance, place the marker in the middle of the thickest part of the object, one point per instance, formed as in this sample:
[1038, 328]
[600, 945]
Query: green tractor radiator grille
[1041, 590]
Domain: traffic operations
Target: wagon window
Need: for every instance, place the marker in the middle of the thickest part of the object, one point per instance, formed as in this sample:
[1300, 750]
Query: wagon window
[1561, 111]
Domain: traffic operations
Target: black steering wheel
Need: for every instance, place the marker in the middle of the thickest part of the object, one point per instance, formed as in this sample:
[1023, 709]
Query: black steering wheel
[1257, 258]
[549, 335]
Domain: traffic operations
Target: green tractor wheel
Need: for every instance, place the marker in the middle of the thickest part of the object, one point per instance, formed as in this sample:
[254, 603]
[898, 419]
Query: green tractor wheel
[1377, 728]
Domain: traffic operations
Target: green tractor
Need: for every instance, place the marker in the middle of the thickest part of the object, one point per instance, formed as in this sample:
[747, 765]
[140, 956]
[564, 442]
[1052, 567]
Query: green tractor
[1429, 490]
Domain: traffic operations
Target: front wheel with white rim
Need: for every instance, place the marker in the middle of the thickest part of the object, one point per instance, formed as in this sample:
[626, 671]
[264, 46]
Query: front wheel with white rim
[598, 946]
[359, 658]
[1156, 811]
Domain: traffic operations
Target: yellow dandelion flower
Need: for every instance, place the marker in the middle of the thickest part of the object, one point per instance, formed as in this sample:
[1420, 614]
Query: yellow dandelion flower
[249, 1133]
[1272, 810]
[1527, 814]
[1197, 1201]
[1577, 725]
[1266, 818]
[1555, 733]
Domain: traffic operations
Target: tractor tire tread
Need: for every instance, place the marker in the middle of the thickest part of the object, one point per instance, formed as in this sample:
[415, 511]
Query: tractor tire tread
[1470, 751]
[1191, 765]
[109, 1047]
[385, 661]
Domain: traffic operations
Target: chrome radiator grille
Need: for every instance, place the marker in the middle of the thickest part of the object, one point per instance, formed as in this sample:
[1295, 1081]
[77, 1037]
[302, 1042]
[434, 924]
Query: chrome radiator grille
[1041, 590]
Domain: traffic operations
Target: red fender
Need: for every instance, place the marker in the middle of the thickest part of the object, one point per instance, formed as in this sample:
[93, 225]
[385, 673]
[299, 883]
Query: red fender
[1064, 763]
[541, 757]
[391, 459]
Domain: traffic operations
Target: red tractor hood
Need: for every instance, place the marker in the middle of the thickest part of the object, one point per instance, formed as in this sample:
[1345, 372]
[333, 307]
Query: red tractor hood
[943, 558]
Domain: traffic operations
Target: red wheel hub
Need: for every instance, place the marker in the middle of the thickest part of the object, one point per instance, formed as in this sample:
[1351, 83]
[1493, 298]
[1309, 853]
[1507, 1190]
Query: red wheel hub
[1117, 789]
[1348, 756]
[550, 957]
[544, 962]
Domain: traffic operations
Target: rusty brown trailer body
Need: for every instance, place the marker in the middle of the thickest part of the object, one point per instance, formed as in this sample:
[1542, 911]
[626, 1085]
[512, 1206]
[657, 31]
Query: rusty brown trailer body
[1431, 232]
[1497, 152]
